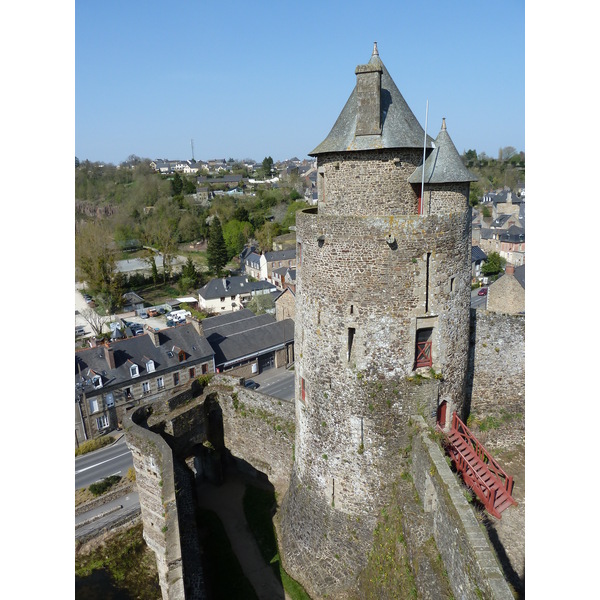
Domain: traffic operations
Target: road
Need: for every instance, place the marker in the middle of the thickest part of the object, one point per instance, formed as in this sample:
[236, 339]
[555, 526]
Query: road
[115, 459]
[478, 301]
[279, 383]
[107, 515]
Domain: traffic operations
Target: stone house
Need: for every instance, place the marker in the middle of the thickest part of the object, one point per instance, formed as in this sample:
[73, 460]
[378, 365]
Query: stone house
[285, 305]
[230, 293]
[507, 294]
[114, 377]
[512, 245]
[274, 260]
[252, 265]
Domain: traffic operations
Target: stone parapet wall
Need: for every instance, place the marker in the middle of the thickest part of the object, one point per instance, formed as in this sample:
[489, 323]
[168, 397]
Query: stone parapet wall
[473, 570]
[155, 479]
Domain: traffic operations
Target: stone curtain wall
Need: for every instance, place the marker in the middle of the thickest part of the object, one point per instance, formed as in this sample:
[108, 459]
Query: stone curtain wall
[473, 571]
[155, 480]
[258, 429]
[498, 358]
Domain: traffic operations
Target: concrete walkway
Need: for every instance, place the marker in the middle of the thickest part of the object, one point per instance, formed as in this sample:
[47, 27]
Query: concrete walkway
[226, 501]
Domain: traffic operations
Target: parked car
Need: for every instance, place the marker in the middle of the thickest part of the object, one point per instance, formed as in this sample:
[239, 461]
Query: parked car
[152, 312]
[482, 292]
[250, 384]
[79, 330]
[143, 314]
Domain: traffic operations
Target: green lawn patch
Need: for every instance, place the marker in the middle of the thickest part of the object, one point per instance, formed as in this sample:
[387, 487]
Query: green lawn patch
[126, 562]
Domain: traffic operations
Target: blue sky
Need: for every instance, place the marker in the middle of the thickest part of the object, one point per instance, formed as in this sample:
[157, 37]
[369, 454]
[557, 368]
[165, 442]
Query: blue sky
[249, 80]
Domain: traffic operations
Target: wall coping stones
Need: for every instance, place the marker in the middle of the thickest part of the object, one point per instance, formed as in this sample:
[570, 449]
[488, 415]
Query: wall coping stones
[487, 577]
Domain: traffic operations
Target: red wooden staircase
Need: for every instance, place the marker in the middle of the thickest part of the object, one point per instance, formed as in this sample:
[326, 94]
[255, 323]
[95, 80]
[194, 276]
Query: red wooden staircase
[479, 470]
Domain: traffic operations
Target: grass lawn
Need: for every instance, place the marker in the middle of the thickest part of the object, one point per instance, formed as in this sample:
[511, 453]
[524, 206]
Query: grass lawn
[122, 567]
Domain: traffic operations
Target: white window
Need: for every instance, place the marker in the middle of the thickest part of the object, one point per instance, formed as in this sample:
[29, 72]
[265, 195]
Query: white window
[150, 366]
[102, 422]
[110, 400]
[146, 387]
[97, 381]
[160, 383]
[93, 405]
[134, 370]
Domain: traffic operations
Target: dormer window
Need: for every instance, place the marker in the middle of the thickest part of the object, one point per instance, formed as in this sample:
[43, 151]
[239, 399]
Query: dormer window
[96, 380]
[134, 370]
[150, 366]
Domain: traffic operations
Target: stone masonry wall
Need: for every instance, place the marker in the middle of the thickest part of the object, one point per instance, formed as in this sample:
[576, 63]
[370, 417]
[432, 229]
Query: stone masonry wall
[343, 475]
[155, 480]
[498, 357]
[473, 571]
[258, 429]
[368, 183]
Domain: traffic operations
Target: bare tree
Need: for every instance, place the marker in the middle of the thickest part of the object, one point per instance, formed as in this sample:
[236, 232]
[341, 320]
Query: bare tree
[94, 320]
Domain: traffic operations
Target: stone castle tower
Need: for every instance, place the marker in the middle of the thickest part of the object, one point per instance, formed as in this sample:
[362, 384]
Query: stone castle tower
[382, 323]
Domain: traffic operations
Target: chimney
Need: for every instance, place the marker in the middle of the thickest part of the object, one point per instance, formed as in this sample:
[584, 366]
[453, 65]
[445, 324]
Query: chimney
[92, 342]
[510, 269]
[196, 323]
[153, 334]
[109, 355]
[368, 88]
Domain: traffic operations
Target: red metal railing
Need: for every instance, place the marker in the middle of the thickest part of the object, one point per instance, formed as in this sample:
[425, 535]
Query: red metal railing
[495, 469]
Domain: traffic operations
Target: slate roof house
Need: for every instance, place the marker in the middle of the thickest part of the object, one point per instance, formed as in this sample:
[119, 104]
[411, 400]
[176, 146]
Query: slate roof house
[274, 260]
[478, 257]
[230, 293]
[246, 344]
[113, 378]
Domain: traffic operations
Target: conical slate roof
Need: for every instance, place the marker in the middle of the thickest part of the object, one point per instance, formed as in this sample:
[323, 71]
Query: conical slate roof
[399, 126]
[443, 165]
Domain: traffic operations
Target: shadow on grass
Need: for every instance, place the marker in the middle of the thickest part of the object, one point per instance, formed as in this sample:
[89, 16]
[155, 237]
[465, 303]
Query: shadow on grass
[224, 577]
[259, 508]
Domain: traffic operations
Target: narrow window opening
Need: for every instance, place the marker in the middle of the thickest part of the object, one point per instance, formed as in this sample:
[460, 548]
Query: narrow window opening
[451, 284]
[302, 390]
[318, 317]
[352, 309]
[351, 332]
[333, 492]
[322, 186]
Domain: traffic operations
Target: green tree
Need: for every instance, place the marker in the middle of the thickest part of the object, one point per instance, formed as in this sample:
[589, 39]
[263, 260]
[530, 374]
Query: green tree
[176, 185]
[96, 264]
[267, 166]
[236, 234]
[494, 264]
[216, 250]
[189, 272]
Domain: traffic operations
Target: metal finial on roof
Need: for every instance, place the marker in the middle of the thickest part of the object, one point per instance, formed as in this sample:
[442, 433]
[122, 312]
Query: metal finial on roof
[443, 123]
[375, 52]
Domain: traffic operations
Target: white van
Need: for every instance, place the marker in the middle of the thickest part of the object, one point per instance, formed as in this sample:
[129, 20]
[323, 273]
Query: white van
[178, 316]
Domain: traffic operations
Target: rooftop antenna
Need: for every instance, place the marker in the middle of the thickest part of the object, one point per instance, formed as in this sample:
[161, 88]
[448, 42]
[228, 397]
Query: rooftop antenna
[192, 149]
[424, 148]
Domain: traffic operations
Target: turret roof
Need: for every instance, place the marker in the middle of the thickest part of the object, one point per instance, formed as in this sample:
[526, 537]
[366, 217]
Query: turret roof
[399, 126]
[443, 165]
